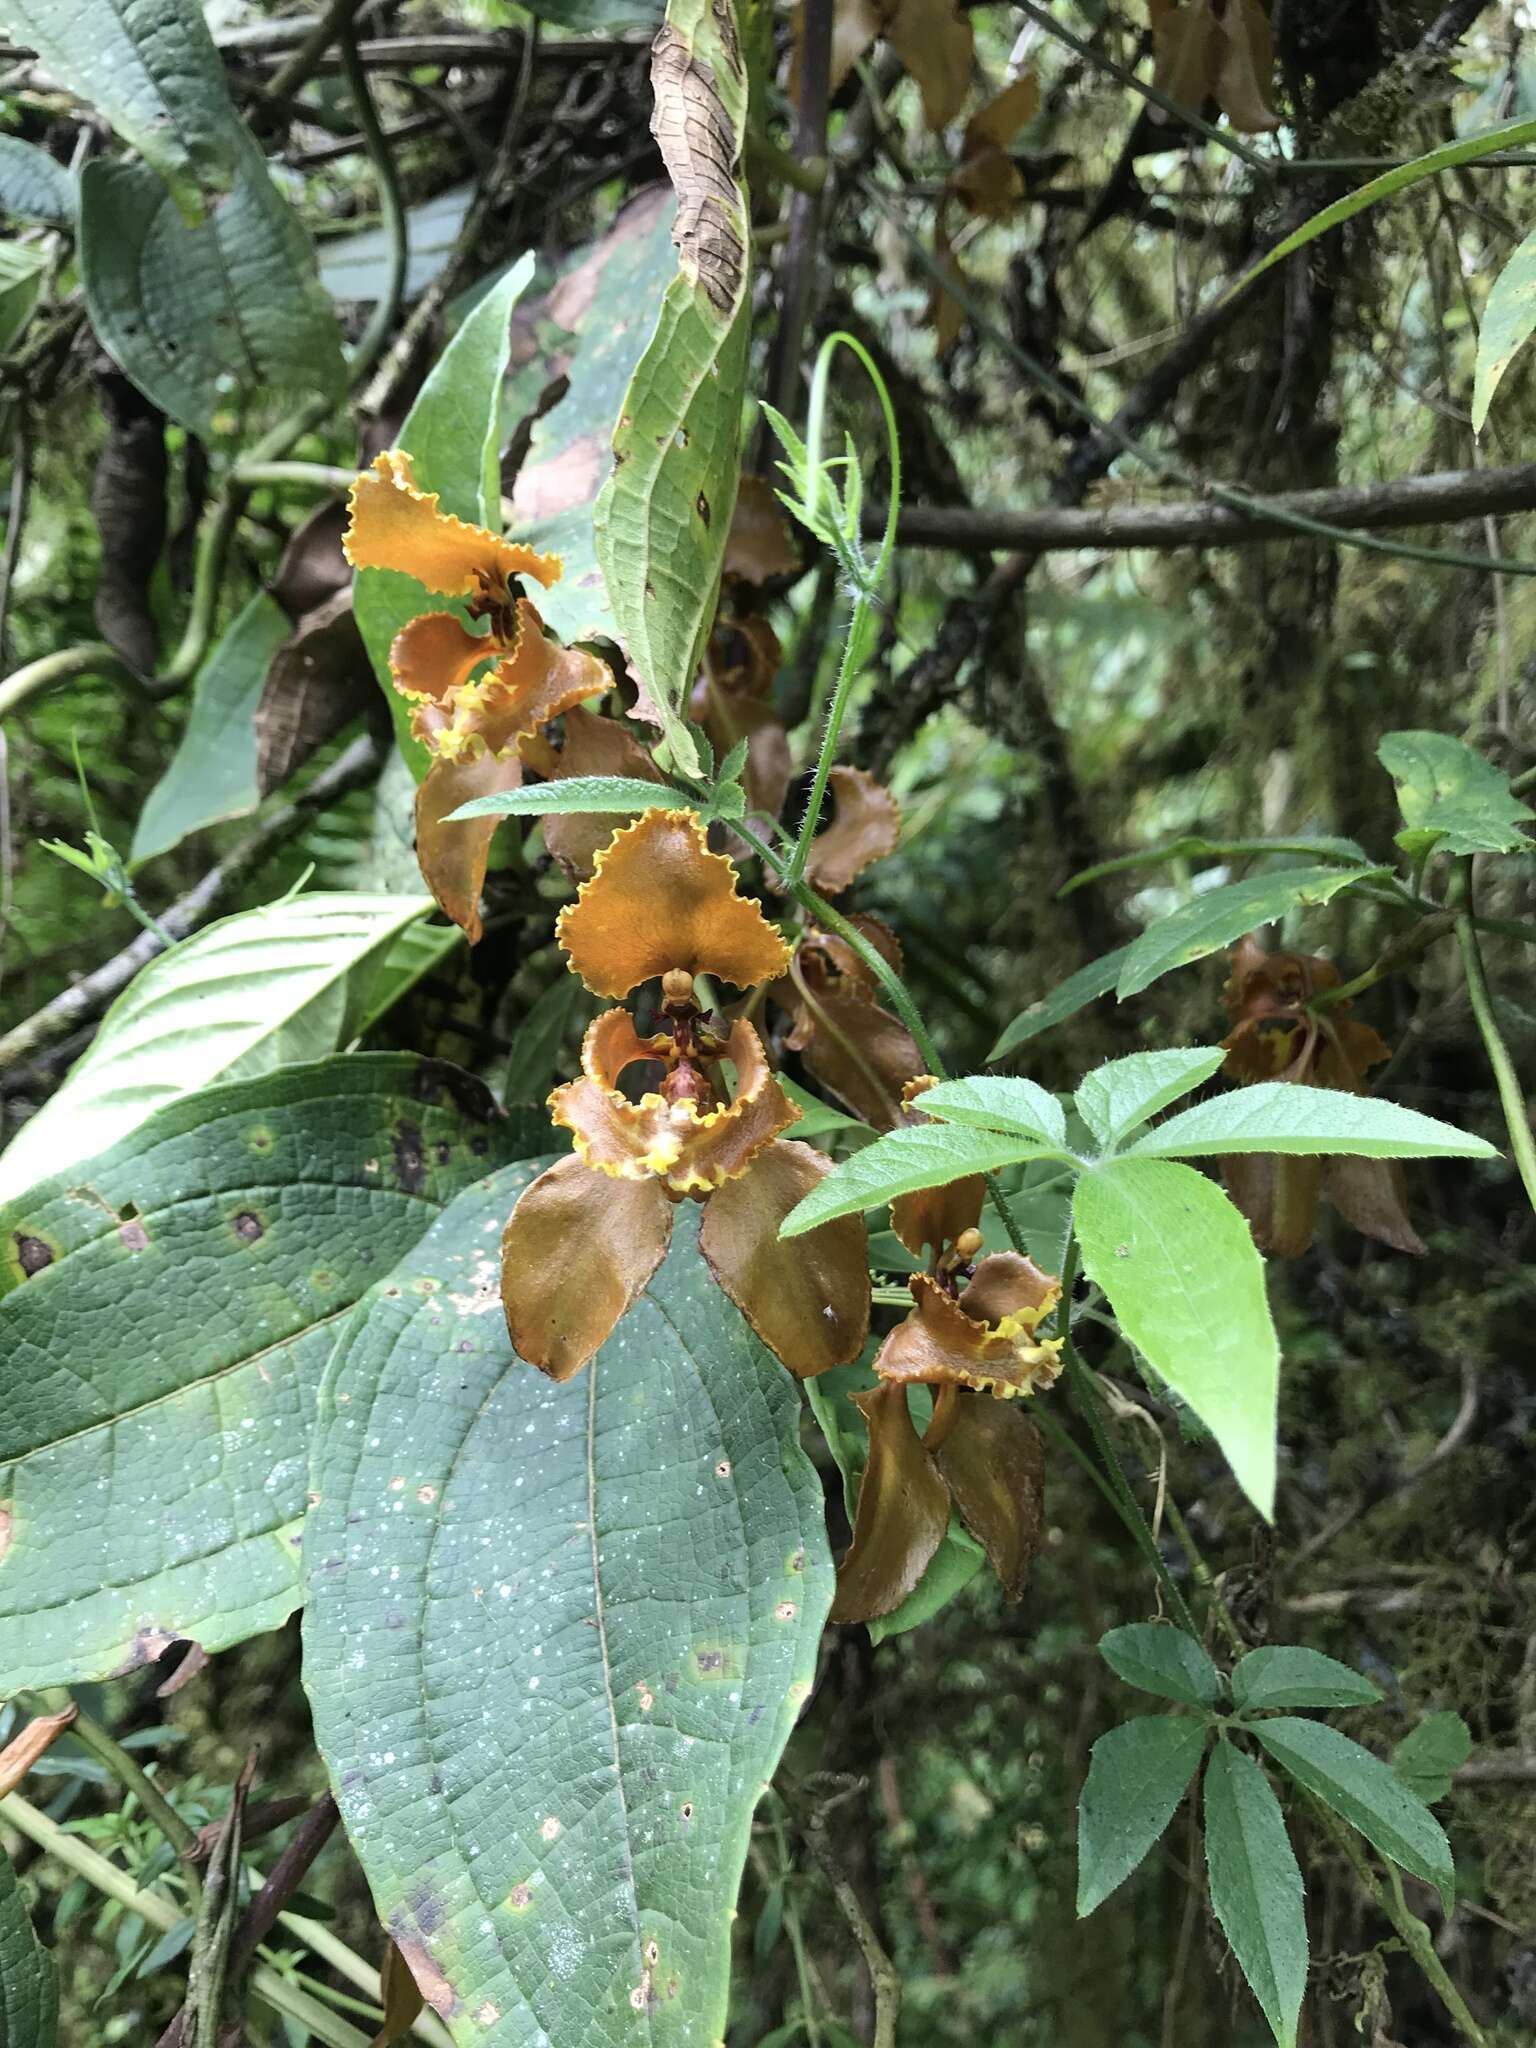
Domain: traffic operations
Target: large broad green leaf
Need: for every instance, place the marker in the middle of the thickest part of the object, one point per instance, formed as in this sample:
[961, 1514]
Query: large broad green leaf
[1256, 1886]
[34, 185]
[922, 1156]
[169, 1309]
[1177, 1263]
[1288, 1116]
[1137, 1774]
[151, 68]
[663, 515]
[1116, 1098]
[356, 268]
[1065, 1000]
[29, 1986]
[993, 1102]
[1167, 1661]
[451, 434]
[1215, 919]
[242, 996]
[194, 314]
[611, 300]
[1286, 1675]
[212, 774]
[557, 1637]
[1468, 149]
[1367, 1793]
[1451, 797]
[1509, 318]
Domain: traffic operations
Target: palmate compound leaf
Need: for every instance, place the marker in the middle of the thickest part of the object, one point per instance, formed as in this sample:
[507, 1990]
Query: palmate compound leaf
[995, 1102]
[452, 435]
[1178, 1266]
[1164, 1660]
[166, 1310]
[556, 1639]
[1115, 1098]
[1256, 1886]
[1450, 797]
[257, 990]
[29, 1986]
[661, 519]
[1289, 1116]
[1287, 1675]
[1137, 1775]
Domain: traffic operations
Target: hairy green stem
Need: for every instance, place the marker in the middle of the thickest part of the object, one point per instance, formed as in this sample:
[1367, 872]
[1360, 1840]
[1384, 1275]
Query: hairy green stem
[1506, 1080]
[1415, 1935]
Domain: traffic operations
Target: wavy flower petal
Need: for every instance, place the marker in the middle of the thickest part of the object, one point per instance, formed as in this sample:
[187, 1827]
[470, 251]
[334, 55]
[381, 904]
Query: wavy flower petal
[902, 1514]
[576, 1252]
[808, 1300]
[436, 654]
[659, 899]
[592, 746]
[993, 1461]
[394, 524]
[690, 1149]
[866, 824]
[537, 681]
[453, 858]
[985, 1340]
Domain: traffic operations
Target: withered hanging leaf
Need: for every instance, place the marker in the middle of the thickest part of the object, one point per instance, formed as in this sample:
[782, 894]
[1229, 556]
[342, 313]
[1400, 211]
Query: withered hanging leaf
[313, 567]
[1217, 49]
[760, 545]
[128, 504]
[935, 44]
[319, 681]
[986, 182]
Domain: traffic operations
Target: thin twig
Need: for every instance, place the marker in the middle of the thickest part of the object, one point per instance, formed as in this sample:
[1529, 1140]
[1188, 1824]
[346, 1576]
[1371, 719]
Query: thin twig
[884, 1977]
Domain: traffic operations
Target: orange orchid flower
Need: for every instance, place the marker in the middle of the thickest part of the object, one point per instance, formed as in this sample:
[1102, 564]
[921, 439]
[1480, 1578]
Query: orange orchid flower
[973, 1332]
[1277, 1036]
[588, 1234]
[470, 719]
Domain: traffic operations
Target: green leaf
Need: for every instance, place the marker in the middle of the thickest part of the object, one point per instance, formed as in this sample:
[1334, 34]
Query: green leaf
[1117, 1097]
[29, 1986]
[1367, 1793]
[151, 68]
[237, 998]
[816, 1116]
[1177, 1263]
[533, 1059]
[923, 1156]
[612, 298]
[1429, 1756]
[1137, 1774]
[995, 1102]
[1289, 1116]
[1451, 797]
[1065, 1000]
[452, 434]
[191, 314]
[22, 265]
[384, 978]
[1508, 321]
[557, 1636]
[33, 185]
[663, 515]
[1284, 1675]
[951, 1569]
[1163, 1660]
[573, 793]
[355, 268]
[168, 1309]
[1219, 916]
[1193, 847]
[1256, 1886]
[212, 774]
[1468, 149]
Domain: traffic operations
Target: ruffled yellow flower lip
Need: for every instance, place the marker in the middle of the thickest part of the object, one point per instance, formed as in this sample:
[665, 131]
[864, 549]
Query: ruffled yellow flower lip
[659, 900]
[677, 1133]
[985, 1339]
[393, 524]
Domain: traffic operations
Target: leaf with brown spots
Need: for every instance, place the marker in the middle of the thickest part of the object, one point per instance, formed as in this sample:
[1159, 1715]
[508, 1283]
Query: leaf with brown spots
[154, 1475]
[551, 1697]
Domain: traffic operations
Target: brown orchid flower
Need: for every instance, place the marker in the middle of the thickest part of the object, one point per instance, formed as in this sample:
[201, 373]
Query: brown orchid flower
[732, 700]
[470, 720]
[986, 183]
[1221, 50]
[1277, 1035]
[856, 1051]
[973, 1333]
[588, 1234]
